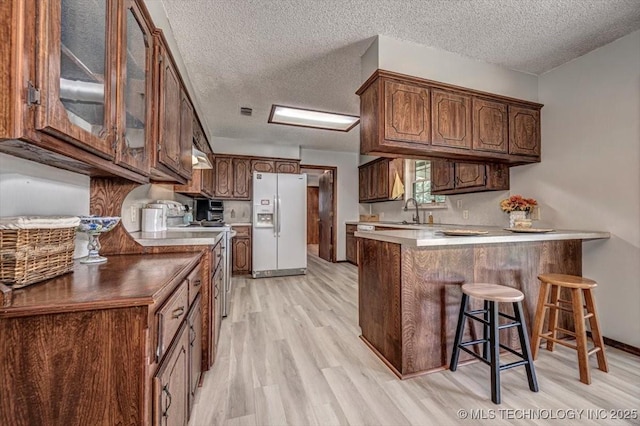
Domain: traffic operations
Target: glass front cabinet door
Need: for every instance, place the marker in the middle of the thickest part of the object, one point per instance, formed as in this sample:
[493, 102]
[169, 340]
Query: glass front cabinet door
[93, 76]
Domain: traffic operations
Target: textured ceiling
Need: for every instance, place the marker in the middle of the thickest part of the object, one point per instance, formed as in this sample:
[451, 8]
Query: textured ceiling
[306, 53]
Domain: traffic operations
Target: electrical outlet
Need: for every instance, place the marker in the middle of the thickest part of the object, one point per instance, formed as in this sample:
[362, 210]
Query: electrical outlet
[465, 214]
[459, 204]
[134, 213]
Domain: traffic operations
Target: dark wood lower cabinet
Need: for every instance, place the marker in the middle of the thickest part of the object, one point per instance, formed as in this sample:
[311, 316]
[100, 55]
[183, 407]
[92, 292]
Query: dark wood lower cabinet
[352, 245]
[194, 321]
[241, 250]
[171, 383]
[121, 347]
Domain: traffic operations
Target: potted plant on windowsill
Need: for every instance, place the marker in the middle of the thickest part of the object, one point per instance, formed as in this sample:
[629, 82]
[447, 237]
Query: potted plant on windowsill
[518, 208]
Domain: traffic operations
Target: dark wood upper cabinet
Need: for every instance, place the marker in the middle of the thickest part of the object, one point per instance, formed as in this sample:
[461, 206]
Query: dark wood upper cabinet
[186, 136]
[241, 179]
[450, 119]
[406, 116]
[78, 48]
[524, 131]
[135, 112]
[410, 117]
[470, 175]
[490, 125]
[292, 166]
[263, 165]
[223, 177]
[448, 177]
[168, 150]
[442, 176]
[376, 178]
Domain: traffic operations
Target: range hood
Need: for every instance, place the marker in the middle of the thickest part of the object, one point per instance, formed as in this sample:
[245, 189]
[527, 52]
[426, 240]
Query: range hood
[199, 160]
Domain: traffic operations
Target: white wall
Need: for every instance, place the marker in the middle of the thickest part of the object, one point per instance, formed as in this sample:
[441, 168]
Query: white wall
[439, 65]
[254, 148]
[347, 187]
[28, 188]
[589, 177]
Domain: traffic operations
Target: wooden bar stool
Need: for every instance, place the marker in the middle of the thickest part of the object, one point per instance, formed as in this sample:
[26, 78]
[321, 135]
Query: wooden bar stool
[492, 294]
[551, 284]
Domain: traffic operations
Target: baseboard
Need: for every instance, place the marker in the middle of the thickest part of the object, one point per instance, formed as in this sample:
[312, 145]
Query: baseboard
[633, 350]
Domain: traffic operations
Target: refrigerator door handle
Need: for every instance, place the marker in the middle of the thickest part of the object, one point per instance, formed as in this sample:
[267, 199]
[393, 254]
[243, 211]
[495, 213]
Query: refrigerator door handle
[279, 221]
[276, 213]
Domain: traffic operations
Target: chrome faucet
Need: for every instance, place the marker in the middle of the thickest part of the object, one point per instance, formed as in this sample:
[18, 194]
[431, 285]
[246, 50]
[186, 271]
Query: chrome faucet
[415, 218]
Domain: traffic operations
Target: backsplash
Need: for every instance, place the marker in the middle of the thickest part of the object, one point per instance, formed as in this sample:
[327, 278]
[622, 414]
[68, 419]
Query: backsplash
[483, 208]
[143, 195]
[237, 211]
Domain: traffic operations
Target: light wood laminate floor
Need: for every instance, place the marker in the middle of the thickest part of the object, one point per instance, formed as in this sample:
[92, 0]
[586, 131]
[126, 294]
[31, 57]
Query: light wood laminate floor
[290, 355]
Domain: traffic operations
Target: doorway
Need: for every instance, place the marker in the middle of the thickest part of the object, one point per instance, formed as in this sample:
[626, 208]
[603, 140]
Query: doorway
[321, 210]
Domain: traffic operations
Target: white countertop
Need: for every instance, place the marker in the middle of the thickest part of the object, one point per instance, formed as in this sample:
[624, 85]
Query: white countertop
[431, 235]
[177, 238]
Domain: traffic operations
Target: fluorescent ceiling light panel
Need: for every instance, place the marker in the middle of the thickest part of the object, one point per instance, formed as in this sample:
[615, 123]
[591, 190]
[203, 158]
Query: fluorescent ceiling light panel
[310, 118]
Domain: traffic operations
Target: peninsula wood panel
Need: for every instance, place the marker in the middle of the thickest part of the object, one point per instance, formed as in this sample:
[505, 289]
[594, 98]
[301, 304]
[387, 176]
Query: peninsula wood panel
[379, 298]
[409, 320]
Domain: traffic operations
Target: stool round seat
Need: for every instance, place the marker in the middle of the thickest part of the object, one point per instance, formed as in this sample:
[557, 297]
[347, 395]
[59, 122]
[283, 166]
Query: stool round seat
[493, 292]
[571, 281]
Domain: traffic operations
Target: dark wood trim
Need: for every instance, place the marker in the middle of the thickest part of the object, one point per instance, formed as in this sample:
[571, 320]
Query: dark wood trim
[334, 207]
[444, 86]
[273, 108]
[633, 350]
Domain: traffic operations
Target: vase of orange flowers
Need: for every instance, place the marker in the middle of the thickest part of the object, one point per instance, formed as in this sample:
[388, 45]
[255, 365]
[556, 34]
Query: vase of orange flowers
[518, 208]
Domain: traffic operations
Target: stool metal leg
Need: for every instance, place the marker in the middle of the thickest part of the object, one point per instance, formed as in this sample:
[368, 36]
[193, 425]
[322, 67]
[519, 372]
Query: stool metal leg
[485, 331]
[494, 349]
[455, 354]
[524, 346]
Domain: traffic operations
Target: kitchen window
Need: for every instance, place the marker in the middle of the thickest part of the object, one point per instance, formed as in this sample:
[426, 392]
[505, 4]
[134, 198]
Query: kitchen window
[418, 184]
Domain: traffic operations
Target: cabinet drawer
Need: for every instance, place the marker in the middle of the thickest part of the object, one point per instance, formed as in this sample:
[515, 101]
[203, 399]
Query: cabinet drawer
[242, 231]
[195, 283]
[170, 316]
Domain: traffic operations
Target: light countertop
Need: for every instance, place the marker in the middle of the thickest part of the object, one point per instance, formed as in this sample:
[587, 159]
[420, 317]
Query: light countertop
[431, 235]
[177, 238]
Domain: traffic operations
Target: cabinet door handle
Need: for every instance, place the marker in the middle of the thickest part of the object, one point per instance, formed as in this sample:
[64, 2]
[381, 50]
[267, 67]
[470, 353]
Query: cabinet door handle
[197, 282]
[177, 313]
[165, 389]
[192, 331]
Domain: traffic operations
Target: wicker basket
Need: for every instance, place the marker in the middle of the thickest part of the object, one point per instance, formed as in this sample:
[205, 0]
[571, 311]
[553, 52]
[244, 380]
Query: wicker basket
[28, 256]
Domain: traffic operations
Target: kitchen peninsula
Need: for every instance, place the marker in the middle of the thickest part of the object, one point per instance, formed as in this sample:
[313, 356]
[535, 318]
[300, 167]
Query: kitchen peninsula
[409, 284]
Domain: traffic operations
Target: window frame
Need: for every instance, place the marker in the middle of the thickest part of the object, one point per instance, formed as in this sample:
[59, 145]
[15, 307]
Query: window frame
[437, 201]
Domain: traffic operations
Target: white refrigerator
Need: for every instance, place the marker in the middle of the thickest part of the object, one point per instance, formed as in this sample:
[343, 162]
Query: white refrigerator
[279, 224]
